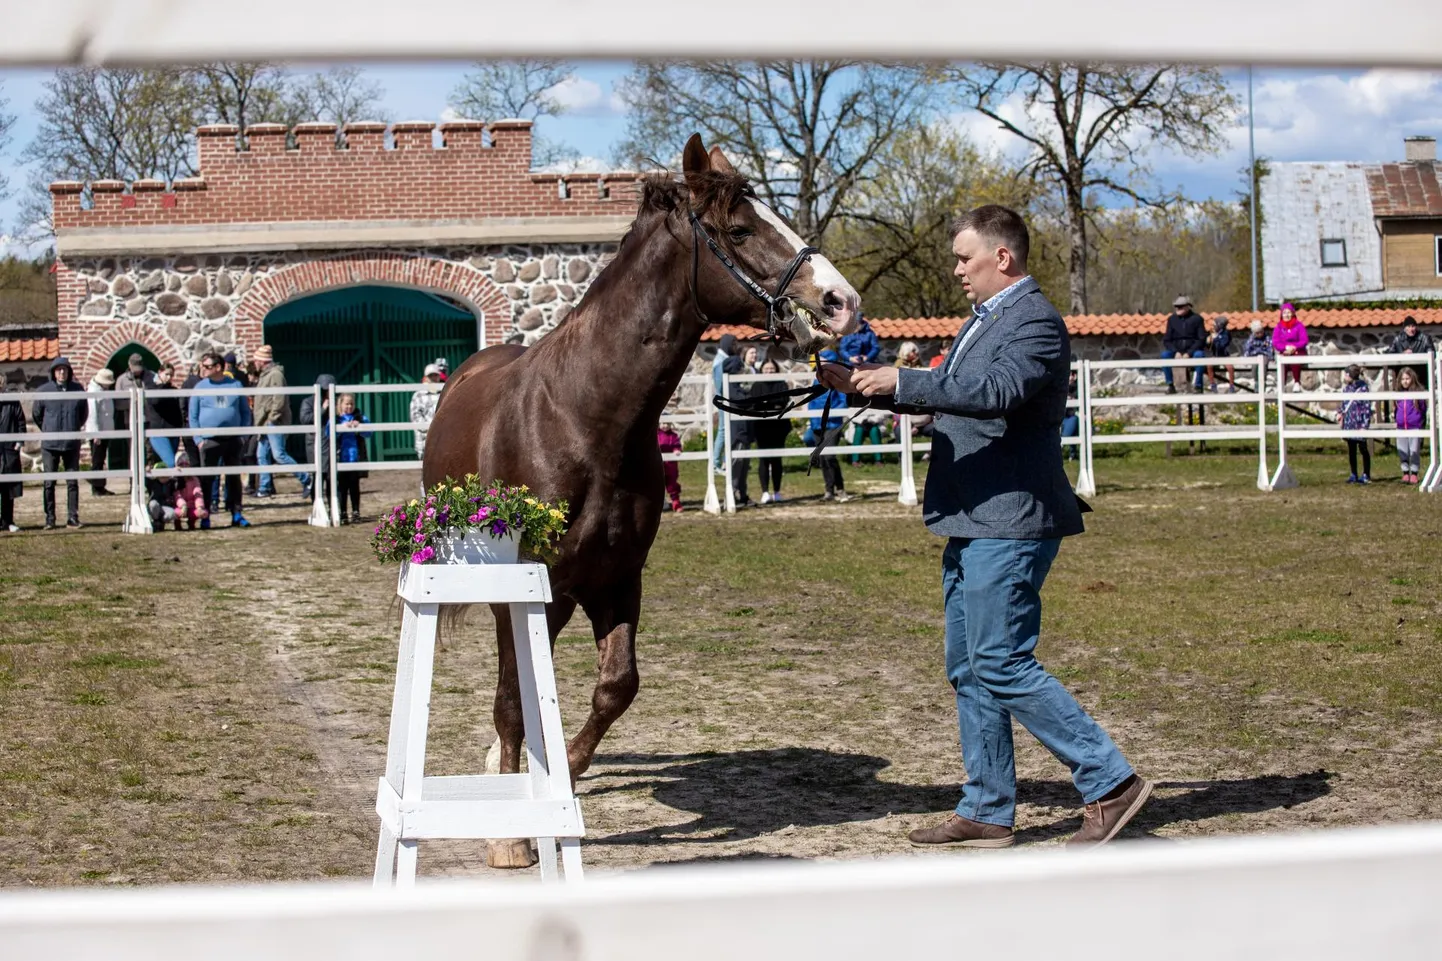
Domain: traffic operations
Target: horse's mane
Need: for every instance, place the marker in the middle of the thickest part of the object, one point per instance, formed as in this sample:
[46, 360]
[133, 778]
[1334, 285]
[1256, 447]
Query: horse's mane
[709, 192]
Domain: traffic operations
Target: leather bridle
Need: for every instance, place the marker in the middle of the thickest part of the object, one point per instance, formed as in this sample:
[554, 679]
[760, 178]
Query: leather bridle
[774, 302]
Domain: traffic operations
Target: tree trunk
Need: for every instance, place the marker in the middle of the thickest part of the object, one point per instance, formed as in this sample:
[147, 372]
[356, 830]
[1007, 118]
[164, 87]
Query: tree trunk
[1077, 261]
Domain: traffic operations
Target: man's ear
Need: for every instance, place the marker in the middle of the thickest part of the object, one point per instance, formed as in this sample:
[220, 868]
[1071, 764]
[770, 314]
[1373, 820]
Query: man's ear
[1004, 259]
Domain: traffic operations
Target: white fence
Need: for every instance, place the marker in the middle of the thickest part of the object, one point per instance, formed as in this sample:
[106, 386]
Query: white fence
[1260, 397]
[1336, 896]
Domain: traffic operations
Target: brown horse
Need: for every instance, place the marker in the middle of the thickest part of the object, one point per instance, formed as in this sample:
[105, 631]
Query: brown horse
[575, 416]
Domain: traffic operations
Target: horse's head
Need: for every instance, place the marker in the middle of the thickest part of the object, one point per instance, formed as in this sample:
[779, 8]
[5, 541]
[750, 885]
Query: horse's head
[771, 282]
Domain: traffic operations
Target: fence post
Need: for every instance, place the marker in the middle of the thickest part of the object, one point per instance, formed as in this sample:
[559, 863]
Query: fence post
[1086, 484]
[727, 436]
[319, 510]
[712, 504]
[1284, 478]
[907, 494]
[137, 521]
[1432, 480]
[1264, 479]
[331, 451]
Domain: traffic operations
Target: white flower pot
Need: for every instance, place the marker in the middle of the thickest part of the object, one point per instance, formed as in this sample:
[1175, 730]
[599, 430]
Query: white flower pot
[476, 547]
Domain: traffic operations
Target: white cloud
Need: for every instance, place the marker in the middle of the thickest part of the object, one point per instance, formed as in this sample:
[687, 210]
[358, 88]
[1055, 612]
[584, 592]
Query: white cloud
[577, 94]
[579, 165]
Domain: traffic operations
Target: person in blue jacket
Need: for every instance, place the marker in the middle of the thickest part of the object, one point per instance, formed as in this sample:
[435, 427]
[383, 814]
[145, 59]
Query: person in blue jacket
[861, 346]
[227, 407]
[350, 448]
[830, 468]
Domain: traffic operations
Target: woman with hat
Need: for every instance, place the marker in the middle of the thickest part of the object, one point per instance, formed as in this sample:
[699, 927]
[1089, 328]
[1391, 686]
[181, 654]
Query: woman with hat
[102, 417]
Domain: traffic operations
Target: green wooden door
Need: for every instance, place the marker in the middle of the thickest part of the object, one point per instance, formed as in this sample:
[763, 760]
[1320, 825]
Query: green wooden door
[371, 335]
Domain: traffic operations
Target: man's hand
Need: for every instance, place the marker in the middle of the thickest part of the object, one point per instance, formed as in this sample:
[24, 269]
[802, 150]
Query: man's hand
[836, 377]
[874, 380]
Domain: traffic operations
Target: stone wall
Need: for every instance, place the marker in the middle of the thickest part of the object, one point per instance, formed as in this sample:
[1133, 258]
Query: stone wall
[180, 307]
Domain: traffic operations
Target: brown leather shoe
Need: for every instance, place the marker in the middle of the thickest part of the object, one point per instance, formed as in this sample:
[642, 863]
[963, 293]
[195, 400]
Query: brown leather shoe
[1101, 820]
[965, 833]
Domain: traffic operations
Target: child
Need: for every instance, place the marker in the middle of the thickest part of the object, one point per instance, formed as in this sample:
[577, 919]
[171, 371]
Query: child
[1219, 342]
[189, 495]
[160, 493]
[1411, 415]
[350, 448]
[1357, 416]
[670, 443]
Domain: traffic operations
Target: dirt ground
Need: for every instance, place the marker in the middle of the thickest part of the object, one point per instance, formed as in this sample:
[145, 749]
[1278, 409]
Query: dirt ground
[213, 706]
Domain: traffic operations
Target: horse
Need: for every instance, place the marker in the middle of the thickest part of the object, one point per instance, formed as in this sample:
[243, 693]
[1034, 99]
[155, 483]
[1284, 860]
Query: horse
[574, 416]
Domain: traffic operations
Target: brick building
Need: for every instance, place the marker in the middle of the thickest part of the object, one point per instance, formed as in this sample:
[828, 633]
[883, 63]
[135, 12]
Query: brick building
[363, 256]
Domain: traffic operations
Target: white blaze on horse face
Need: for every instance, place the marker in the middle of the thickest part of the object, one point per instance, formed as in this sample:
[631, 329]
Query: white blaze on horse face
[823, 273]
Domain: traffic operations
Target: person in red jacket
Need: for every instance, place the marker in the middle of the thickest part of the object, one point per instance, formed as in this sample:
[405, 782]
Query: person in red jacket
[670, 443]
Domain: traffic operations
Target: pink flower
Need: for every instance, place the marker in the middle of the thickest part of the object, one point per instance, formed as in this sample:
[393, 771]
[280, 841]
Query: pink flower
[419, 539]
[484, 512]
[430, 512]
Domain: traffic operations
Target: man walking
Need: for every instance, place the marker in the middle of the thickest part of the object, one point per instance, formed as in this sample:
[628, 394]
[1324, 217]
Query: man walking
[221, 406]
[54, 415]
[273, 410]
[996, 489]
[1186, 336]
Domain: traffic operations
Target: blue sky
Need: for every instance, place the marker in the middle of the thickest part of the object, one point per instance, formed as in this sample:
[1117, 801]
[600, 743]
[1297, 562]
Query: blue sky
[1301, 115]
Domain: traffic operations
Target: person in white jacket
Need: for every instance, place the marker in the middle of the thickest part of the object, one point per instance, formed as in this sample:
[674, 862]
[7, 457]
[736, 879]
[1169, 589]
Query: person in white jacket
[423, 406]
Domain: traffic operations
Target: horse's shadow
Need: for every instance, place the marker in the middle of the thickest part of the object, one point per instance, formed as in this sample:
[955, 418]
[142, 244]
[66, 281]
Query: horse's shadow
[745, 794]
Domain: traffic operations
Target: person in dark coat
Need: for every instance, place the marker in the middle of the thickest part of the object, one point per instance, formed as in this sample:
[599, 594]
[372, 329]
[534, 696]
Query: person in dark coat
[164, 411]
[771, 433]
[743, 436]
[12, 421]
[1186, 336]
[63, 413]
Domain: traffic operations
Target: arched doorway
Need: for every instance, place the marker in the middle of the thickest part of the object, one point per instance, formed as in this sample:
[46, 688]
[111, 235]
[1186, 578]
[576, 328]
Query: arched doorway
[119, 360]
[371, 335]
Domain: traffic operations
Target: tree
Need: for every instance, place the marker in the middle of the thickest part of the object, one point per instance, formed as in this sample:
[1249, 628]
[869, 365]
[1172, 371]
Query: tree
[519, 90]
[340, 95]
[1089, 127]
[247, 93]
[6, 120]
[807, 132]
[114, 124]
[895, 243]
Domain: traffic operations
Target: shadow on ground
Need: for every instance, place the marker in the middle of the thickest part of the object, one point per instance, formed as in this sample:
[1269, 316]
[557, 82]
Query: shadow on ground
[745, 794]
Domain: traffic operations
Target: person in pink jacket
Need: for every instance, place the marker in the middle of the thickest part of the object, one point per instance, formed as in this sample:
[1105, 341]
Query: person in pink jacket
[670, 443]
[1290, 338]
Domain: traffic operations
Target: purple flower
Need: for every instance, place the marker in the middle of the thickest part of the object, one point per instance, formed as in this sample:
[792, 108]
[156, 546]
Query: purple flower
[498, 527]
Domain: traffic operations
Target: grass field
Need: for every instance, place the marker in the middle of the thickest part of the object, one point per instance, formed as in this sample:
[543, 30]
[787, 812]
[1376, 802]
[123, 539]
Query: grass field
[204, 707]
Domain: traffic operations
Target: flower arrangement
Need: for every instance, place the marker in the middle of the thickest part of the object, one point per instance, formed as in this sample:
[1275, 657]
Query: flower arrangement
[410, 532]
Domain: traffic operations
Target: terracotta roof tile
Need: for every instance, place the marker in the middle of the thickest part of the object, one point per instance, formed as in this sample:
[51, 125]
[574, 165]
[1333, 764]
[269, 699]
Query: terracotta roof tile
[1096, 325]
[28, 345]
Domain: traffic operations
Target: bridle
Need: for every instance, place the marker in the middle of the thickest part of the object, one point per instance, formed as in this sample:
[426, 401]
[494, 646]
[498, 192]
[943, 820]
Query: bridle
[774, 302]
[781, 403]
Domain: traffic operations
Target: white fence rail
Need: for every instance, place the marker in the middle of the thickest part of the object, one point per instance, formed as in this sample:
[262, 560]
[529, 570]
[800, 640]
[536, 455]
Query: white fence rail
[1260, 397]
[1336, 896]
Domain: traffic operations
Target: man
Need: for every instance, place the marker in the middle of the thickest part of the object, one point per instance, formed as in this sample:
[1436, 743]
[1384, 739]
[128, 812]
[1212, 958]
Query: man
[1186, 336]
[221, 406]
[135, 377]
[273, 410]
[423, 407]
[1412, 341]
[997, 491]
[54, 415]
[100, 415]
[725, 351]
[443, 367]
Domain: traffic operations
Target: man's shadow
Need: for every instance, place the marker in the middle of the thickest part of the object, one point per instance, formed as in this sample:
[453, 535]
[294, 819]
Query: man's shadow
[738, 795]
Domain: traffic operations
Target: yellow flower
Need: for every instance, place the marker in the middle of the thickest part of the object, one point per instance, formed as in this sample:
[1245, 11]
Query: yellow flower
[557, 514]
[531, 501]
[414, 502]
[458, 490]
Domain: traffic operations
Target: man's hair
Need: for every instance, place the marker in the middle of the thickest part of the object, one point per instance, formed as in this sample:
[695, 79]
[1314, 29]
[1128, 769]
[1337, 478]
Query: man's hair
[213, 359]
[1409, 321]
[997, 225]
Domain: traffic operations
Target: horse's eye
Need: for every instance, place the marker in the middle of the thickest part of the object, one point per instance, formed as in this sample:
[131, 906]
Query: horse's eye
[739, 234]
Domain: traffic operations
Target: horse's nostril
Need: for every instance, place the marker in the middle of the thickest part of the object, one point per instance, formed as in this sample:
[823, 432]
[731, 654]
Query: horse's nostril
[832, 302]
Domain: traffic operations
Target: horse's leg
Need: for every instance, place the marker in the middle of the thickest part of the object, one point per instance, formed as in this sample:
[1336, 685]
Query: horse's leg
[510, 726]
[613, 621]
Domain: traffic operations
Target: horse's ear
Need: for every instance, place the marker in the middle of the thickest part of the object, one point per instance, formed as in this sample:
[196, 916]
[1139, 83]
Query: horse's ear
[695, 160]
[719, 163]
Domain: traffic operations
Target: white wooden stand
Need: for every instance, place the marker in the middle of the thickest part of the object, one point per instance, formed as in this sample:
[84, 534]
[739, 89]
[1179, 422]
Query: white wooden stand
[538, 804]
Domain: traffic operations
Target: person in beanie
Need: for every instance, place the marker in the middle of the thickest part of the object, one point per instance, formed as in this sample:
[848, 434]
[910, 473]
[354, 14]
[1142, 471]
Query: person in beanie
[1219, 342]
[1412, 341]
[56, 415]
[134, 377]
[12, 421]
[272, 410]
[1185, 337]
[100, 414]
[423, 407]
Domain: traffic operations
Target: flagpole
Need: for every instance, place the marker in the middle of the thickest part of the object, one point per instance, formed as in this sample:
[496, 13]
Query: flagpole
[1252, 176]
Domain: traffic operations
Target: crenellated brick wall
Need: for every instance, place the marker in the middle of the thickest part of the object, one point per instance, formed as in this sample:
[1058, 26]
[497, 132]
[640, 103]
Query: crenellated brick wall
[318, 180]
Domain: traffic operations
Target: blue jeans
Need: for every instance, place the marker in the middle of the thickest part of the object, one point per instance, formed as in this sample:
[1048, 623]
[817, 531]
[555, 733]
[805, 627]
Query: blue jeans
[271, 450]
[993, 618]
[164, 449]
[1071, 427]
[1167, 371]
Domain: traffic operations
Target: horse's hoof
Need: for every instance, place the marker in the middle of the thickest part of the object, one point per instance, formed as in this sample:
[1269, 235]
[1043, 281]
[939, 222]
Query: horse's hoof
[511, 853]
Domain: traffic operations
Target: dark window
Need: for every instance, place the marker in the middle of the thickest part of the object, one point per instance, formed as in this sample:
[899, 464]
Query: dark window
[1334, 253]
[1439, 255]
